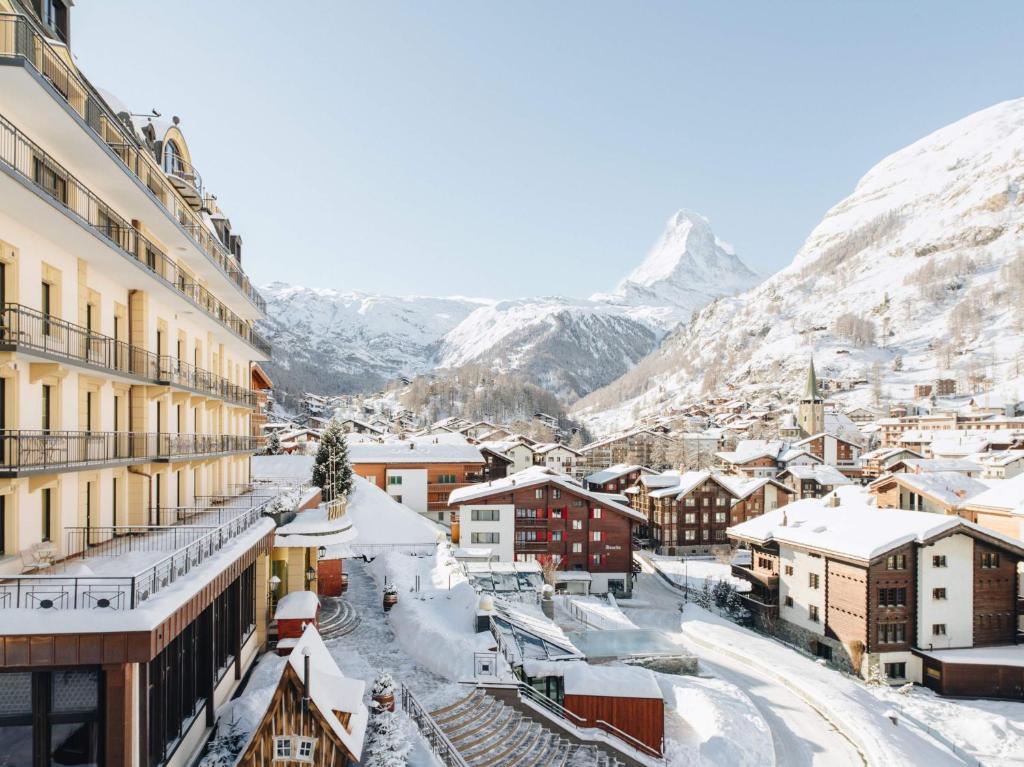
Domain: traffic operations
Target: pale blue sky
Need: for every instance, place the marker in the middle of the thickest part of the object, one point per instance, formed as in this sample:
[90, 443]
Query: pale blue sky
[529, 148]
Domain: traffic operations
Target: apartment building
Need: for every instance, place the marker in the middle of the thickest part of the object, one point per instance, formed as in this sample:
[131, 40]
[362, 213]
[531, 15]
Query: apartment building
[541, 513]
[126, 345]
[420, 472]
[922, 597]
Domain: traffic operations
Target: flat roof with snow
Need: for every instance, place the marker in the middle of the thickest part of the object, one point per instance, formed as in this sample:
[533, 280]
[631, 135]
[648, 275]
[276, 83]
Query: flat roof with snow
[610, 681]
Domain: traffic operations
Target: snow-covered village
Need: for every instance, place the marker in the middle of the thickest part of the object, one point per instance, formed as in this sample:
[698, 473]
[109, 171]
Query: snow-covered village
[603, 384]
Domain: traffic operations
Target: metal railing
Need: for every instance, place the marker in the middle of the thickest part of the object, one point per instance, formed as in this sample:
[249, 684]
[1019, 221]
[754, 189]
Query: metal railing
[121, 592]
[119, 540]
[18, 39]
[439, 744]
[185, 172]
[29, 161]
[22, 327]
[22, 450]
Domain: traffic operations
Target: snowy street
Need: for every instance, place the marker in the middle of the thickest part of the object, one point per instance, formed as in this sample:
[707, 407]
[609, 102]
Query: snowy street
[801, 736]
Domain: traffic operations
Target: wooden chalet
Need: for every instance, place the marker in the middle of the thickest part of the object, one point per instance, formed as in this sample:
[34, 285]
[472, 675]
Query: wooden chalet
[316, 715]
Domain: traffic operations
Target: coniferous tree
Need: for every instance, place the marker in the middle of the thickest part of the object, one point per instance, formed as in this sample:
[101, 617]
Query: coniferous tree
[332, 470]
[274, 444]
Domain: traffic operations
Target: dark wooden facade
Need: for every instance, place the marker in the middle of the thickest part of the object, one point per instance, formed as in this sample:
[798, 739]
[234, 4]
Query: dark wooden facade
[972, 680]
[285, 717]
[641, 718]
[695, 520]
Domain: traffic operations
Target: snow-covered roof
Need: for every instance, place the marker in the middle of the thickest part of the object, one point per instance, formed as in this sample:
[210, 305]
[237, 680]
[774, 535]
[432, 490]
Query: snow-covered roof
[381, 519]
[1005, 655]
[331, 690]
[297, 605]
[820, 473]
[855, 528]
[926, 465]
[314, 528]
[743, 486]
[547, 447]
[610, 681]
[538, 475]
[282, 466]
[423, 450]
[1003, 495]
[612, 472]
[948, 487]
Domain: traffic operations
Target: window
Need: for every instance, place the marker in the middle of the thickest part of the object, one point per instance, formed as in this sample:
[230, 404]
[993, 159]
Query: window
[788, 569]
[596, 514]
[556, 513]
[526, 513]
[394, 480]
[282, 748]
[538, 493]
[720, 500]
[690, 501]
[556, 493]
[896, 670]
[939, 560]
[440, 516]
[706, 501]
[47, 407]
[47, 509]
[577, 548]
[892, 633]
[486, 538]
[690, 518]
[812, 613]
[485, 515]
[596, 536]
[789, 601]
[895, 597]
[896, 562]
[577, 524]
[304, 750]
[720, 517]
[556, 535]
[989, 560]
[813, 580]
[939, 629]
[446, 479]
[938, 593]
[595, 560]
[690, 535]
[172, 159]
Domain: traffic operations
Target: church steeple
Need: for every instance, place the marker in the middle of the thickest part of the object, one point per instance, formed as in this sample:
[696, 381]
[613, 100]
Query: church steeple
[811, 411]
[811, 392]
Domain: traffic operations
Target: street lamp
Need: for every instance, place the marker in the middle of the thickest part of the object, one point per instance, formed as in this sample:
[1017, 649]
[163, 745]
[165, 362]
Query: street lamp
[310, 574]
[322, 552]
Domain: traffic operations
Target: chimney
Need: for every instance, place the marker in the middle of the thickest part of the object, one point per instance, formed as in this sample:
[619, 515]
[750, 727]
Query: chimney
[412, 445]
[305, 678]
[785, 519]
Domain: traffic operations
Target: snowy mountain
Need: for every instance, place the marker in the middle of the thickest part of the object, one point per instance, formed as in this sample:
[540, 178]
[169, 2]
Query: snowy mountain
[332, 341]
[917, 274]
[686, 269]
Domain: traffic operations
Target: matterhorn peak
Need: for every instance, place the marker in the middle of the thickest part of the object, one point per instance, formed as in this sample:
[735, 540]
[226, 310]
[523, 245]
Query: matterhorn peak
[687, 268]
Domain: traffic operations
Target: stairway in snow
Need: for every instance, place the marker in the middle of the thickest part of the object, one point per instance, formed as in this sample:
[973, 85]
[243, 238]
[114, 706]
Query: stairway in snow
[489, 733]
[337, 617]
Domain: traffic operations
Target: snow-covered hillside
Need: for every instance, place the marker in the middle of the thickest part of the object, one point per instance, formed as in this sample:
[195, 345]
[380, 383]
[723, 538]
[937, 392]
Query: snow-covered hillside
[917, 274]
[331, 341]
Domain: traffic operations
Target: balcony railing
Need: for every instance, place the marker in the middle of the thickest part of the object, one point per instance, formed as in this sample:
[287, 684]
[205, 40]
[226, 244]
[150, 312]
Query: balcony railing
[188, 547]
[18, 39]
[44, 451]
[29, 329]
[32, 163]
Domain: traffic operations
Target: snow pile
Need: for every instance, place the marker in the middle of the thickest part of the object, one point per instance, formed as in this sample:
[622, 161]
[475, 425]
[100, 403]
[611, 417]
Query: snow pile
[994, 730]
[722, 727]
[693, 573]
[437, 625]
[847, 702]
[380, 519]
[598, 613]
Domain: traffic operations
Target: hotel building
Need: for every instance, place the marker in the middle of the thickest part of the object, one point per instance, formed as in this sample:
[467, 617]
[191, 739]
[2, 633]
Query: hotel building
[131, 554]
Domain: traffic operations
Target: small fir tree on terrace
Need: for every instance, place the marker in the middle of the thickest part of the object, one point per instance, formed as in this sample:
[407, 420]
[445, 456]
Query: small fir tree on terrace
[274, 444]
[388, 746]
[331, 469]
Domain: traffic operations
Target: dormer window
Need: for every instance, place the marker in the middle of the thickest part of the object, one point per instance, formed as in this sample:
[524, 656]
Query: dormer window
[172, 159]
[283, 747]
[54, 14]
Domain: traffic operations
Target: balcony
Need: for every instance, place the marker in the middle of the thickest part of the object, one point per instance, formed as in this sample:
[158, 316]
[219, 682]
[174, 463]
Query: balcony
[186, 179]
[159, 556]
[21, 41]
[26, 160]
[27, 330]
[532, 547]
[41, 452]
